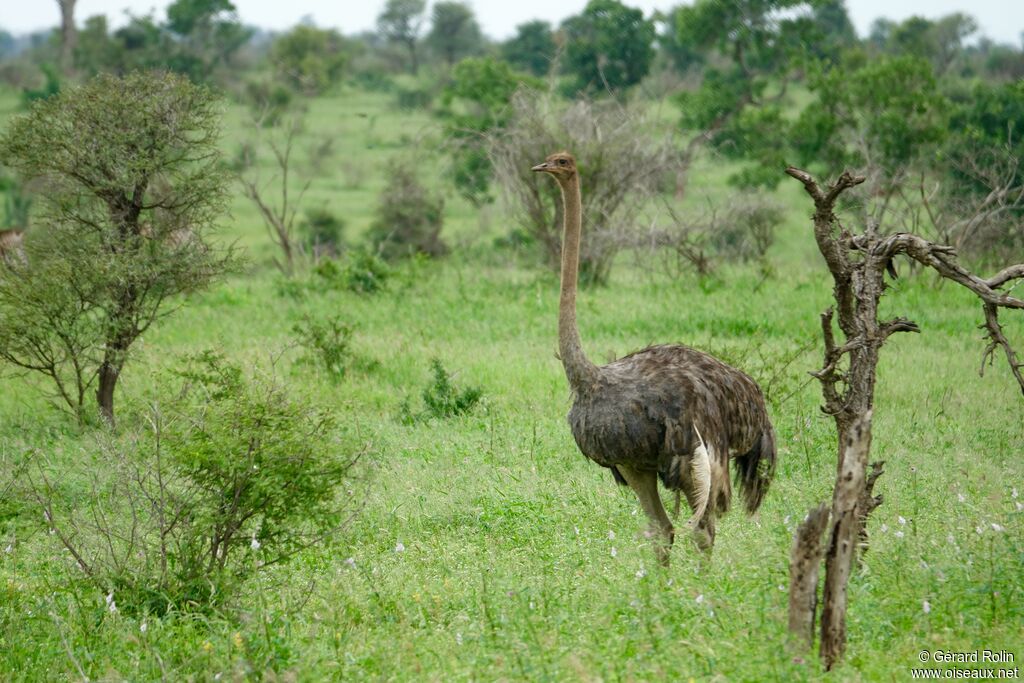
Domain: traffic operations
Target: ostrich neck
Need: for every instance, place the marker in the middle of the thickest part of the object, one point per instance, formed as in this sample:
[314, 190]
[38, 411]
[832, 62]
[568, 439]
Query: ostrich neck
[578, 368]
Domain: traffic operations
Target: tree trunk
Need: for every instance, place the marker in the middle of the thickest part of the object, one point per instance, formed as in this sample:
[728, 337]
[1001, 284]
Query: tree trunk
[105, 391]
[804, 565]
[68, 36]
[843, 545]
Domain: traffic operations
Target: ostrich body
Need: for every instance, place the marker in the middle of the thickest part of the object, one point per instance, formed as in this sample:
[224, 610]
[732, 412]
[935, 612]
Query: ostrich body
[668, 411]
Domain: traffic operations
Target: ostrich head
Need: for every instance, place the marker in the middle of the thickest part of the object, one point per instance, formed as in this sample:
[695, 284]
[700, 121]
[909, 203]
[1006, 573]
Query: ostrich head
[561, 165]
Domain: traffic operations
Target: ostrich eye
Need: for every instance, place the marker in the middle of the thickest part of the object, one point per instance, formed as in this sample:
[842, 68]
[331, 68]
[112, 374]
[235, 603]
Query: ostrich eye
[562, 162]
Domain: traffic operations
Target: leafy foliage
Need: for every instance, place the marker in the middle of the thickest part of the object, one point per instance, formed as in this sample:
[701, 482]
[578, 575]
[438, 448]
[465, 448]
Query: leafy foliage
[409, 216]
[441, 398]
[532, 48]
[476, 105]
[608, 46]
[454, 33]
[134, 186]
[310, 59]
[231, 477]
[327, 343]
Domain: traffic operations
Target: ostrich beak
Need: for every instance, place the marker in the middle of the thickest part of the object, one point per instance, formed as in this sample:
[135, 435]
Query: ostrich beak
[541, 167]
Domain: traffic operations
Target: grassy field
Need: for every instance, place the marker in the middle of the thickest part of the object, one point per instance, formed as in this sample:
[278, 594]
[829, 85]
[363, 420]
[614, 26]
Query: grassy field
[488, 548]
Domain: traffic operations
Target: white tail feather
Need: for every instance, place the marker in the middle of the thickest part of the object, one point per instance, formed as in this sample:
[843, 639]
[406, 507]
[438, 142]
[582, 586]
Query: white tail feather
[700, 473]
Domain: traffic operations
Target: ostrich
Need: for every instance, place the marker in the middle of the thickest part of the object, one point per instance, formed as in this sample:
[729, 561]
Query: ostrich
[667, 411]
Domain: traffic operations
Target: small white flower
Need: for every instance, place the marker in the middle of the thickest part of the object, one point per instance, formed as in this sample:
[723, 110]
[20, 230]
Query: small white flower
[143, 627]
[901, 520]
[1013, 493]
[998, 527]
[577, 530]
[950, 540]
[351, 562]
[614, 551]
[634, 512]
[641, 573]
[255, 544]
[781, 588]
[980, 529]
[9, 548]
[961, 497]
[611, 535]
[217, 676]
[785, 520]
[1020, 506]
[111, 605]
[699, 599]
[926, 607]
[458, 638]
[898, 534]
[399, 547]
[884, 528]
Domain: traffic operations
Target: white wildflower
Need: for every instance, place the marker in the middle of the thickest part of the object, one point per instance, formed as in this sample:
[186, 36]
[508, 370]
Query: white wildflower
[351, 562]
[785, 520]
[998, 527]
[641, 573]
[926, 607]
[898, 534]
[458, 638]
[9, 548]
[980, 529]
[961, 497]
[1020, 506]
[902, 520]
[614, 551]
[1013, 493]
[255, 544]
[111, 605]
[884, 528]
[950, 540]
[699, 599]
[399, 547]
[611, 535]
[143, 627]
[577, 530]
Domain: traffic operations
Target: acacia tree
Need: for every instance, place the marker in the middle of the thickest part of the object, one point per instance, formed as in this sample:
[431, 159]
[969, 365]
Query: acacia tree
[608, 46]
[401, 22]
[134, 186]
[454, 32]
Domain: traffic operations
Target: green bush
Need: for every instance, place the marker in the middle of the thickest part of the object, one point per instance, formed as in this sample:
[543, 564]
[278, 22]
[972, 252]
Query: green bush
[323, 232]
[359, 271]
[230, 477]
[409, 217]
[327, 343]
[441, 398]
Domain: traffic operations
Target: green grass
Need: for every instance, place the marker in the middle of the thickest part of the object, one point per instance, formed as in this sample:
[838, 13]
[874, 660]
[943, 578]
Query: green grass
[522, 560]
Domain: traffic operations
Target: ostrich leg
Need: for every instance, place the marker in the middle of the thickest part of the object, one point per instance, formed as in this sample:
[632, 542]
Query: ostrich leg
[704, 533]
[645, 484]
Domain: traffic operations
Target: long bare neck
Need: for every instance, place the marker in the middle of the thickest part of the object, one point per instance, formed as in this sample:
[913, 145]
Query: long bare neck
[578, 368]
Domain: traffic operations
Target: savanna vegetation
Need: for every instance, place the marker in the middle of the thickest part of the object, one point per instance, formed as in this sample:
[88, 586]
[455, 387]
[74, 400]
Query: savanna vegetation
[279, 397]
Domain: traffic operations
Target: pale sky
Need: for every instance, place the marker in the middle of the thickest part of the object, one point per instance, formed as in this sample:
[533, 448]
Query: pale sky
[1001, 20]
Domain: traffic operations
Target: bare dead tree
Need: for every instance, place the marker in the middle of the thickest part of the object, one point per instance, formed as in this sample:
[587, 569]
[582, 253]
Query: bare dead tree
[858, 264]
[280, 218]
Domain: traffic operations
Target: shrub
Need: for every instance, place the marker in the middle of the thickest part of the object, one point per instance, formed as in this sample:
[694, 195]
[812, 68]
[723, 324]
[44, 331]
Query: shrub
[441, 398]
[409, 99]
[323, 233]
[327, 343]
[409, 217]
[746, 230]
[234, 476]
[621, 164]
[268, 101]
[359, 271]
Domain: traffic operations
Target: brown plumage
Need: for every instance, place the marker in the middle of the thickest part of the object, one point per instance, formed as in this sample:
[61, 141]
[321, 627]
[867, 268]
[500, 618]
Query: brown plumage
[668, 411]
